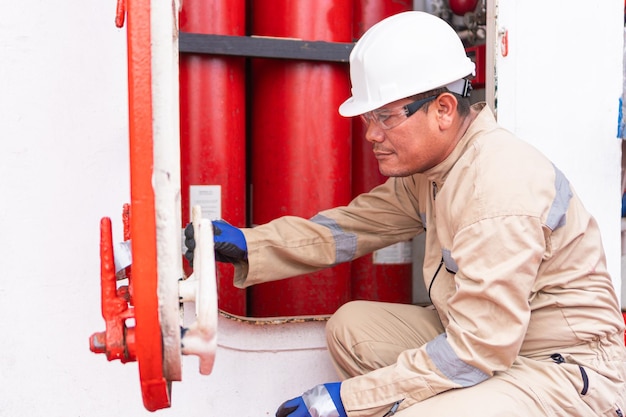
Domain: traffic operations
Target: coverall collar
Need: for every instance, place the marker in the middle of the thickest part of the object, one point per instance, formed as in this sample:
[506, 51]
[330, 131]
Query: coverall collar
[484, 121]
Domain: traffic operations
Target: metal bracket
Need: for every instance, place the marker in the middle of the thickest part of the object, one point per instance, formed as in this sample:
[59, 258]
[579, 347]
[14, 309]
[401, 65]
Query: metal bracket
[264, 47]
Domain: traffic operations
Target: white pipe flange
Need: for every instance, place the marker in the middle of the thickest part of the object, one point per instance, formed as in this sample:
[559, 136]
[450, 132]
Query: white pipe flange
[200, 338]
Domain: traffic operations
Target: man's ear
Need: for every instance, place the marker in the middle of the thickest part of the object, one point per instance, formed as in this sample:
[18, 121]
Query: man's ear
[446, 105]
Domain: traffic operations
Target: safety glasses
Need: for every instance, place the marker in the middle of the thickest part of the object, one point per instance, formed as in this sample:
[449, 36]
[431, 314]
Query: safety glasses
[390, 118]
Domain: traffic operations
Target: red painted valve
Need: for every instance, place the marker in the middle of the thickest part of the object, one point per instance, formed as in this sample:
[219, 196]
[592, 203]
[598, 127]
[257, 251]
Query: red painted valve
[460, 7]
[120, 305]
[118, 340]
[146, 342]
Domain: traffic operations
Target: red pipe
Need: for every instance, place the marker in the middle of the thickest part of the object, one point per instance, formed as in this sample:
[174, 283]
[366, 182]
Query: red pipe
[300, 144]
[375, 281]
[212, 124]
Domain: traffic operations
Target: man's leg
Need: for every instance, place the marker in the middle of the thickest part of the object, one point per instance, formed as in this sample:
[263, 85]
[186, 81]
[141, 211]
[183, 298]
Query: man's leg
[363, 336]
[367, 335]
[502, 395]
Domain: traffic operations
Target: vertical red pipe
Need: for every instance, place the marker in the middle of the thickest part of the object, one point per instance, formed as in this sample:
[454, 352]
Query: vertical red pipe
[300, 145]
[212, 123]
[375, 281]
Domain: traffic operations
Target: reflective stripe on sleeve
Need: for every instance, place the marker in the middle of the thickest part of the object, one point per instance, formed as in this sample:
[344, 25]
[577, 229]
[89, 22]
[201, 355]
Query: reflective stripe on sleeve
[319, 403]
[556, 216]
[423, 217]
[450, 365]
[345, 243]
[451, 266]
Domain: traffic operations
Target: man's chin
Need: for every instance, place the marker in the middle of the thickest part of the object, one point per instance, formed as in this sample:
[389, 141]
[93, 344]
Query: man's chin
[393, 174]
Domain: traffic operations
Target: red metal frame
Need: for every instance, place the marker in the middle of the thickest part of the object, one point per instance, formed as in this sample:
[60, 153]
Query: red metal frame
[155, 389]
[139, 300]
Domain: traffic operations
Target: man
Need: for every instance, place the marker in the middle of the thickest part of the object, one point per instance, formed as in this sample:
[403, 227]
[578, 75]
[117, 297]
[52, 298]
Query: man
[525, 321]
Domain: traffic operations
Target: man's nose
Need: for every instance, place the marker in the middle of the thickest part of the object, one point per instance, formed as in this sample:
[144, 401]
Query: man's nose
[374, 133]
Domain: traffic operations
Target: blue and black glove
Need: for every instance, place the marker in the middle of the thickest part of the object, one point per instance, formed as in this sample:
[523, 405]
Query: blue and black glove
[230, 243]
[320, 401]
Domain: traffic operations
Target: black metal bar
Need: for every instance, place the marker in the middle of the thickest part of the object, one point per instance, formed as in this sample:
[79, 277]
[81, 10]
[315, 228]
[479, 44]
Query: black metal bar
[264, 47]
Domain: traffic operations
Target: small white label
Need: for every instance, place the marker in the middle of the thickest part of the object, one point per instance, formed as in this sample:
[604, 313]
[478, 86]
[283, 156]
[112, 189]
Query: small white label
[209, 198]
[398, 253]
[122, 255]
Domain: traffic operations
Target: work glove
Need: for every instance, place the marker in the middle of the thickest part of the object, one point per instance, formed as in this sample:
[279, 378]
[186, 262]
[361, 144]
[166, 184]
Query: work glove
[320, 401]
[230, 243]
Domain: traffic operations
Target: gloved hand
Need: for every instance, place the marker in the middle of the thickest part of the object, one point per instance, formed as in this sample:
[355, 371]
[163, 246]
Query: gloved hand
[320, 401]
[230, 243]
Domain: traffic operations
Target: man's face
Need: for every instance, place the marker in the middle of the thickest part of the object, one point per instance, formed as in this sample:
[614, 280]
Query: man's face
[413, 146]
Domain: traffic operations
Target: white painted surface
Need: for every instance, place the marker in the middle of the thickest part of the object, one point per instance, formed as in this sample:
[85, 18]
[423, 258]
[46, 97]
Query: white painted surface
[559, 89]
[166, 176]
[257, 367]
[64, 164]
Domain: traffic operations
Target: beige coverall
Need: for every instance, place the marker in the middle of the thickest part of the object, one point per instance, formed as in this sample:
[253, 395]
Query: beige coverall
[527, 322]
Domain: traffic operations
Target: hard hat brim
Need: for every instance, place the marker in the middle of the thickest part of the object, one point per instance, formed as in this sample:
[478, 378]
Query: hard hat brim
[352, 107]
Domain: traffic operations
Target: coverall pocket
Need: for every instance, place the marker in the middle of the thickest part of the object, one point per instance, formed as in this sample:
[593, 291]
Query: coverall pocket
[598, 392]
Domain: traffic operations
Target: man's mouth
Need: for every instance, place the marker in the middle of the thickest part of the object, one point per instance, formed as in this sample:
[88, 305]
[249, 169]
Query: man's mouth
[381, 153]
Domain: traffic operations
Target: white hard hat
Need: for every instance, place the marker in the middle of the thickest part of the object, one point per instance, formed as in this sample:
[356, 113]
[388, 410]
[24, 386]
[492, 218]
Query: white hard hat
[403, 55]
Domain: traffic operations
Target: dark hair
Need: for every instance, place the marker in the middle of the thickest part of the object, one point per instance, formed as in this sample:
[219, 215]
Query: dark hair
[463, 106]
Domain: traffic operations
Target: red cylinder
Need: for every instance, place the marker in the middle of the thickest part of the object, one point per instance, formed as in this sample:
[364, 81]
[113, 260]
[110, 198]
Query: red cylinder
[212, 127]
[300, 144]
[386, 275]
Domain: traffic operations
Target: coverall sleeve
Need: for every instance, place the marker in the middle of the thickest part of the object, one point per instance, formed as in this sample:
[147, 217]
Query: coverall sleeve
[290, 246]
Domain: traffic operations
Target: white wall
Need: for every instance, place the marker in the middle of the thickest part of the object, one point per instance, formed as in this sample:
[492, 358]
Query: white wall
[64, 164]
[559, 89]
